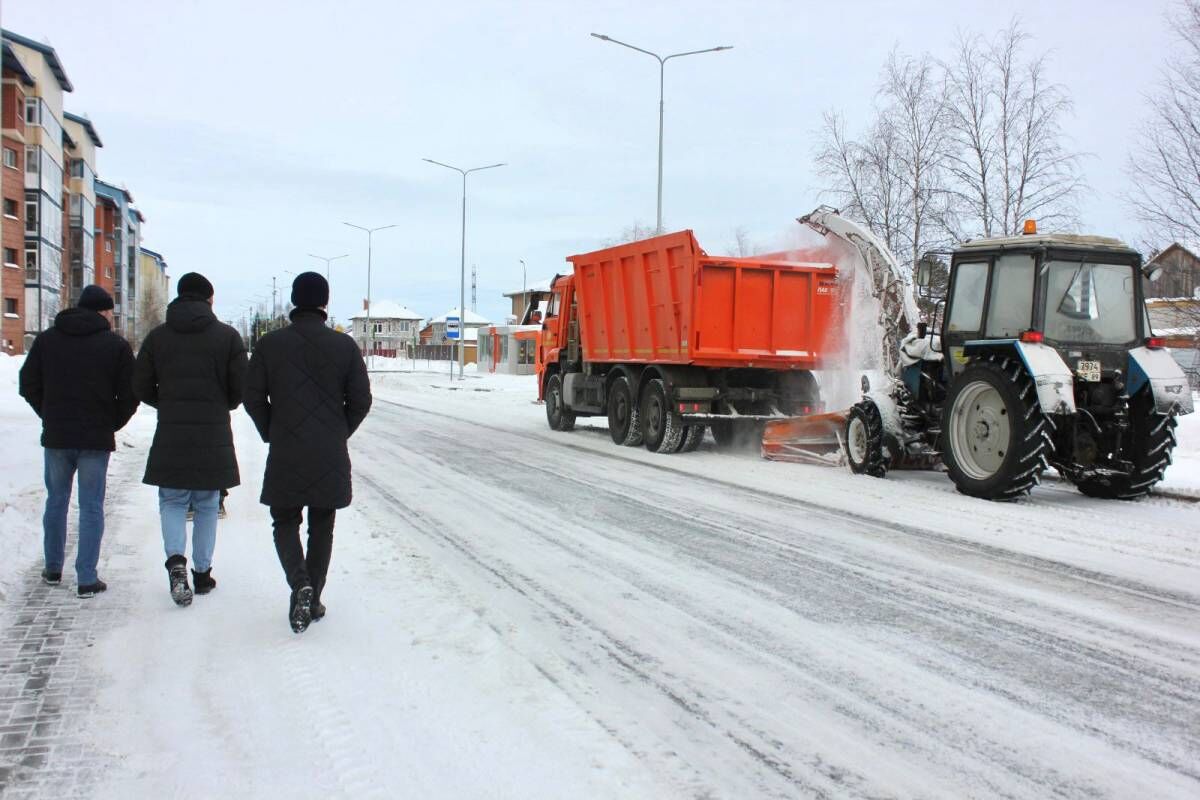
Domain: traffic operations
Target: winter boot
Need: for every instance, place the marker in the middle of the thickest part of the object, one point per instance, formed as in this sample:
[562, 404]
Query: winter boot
[203, 581]
[92, 589]
[51, 577]
[181, 593]
[300, 613]
[318, 610]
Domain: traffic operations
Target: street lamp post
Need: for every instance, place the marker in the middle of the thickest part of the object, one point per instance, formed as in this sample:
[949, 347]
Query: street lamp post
[662, 64]
[462, 275]
[370, 233]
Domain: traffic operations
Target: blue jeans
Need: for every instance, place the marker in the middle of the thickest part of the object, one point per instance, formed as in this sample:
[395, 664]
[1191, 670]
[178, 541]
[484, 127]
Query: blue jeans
[173, 508]
[61, 467]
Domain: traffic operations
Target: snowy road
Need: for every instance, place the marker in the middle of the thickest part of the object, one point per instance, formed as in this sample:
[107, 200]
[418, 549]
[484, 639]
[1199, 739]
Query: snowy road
[741, 643]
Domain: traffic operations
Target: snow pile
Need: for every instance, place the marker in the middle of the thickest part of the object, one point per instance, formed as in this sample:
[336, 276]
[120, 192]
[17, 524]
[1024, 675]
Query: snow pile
[21, 492]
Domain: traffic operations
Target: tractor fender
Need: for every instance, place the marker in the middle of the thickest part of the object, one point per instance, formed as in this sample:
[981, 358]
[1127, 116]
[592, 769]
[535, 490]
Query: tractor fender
[1053, 379]
[1168, 384]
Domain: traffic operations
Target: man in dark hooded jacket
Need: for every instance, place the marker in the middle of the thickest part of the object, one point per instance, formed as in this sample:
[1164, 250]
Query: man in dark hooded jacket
[307, 392]
[77, 377]
[191, 368]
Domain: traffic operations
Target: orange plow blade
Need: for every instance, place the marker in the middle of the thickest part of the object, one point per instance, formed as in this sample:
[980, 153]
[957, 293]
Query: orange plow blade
[816, 438]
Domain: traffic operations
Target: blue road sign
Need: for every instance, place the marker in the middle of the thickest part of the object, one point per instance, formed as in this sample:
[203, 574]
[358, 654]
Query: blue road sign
[452, 327]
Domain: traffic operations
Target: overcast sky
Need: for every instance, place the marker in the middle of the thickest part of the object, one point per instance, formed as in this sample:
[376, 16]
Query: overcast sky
[249, 131]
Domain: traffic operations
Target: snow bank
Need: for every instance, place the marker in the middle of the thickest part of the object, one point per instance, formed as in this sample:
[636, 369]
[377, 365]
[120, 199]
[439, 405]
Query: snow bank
[21, 492]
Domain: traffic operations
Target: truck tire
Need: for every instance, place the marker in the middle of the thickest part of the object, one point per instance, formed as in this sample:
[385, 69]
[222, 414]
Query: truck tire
[662, 426]
[624, 417]
[722, 431]
[996, 437]
[864, 440]
[692, 438]
[1149, 445]
[558, 415]
[798, 391]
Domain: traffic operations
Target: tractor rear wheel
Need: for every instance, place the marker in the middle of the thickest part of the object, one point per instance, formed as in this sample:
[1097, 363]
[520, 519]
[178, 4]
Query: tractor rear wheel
[624, 418]
[558, 415]
[864, 440]
[1148, 446]
[662, 426]
[996, 437]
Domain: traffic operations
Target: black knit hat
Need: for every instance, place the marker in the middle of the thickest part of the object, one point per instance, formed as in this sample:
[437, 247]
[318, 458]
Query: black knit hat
[310, 290]
[95, 298]
[195, 285]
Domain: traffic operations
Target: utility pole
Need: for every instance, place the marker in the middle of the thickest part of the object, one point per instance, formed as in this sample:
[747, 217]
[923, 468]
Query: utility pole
[474, 285]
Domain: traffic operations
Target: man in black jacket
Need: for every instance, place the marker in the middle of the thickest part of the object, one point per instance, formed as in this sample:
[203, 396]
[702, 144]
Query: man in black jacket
[77, 376]
[191, 368]
[307, 391]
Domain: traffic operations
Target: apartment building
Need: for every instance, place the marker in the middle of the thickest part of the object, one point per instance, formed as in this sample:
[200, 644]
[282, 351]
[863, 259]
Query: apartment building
[104, 241]
[125, 237]
[154, 290]
[44, 180]
[80, 142]
[16, 82]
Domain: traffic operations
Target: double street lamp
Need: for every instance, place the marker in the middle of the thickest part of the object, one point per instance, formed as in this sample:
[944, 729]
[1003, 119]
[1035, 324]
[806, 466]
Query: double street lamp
[370, 233]
[462, 278]
[662, 64]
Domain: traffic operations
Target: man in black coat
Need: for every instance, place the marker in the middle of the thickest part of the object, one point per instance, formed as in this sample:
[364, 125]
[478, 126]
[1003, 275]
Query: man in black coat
[307, 391]
[192, 369]
[77, 377]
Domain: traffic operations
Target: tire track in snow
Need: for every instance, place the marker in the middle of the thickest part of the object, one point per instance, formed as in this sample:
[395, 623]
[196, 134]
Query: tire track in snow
[969, 623]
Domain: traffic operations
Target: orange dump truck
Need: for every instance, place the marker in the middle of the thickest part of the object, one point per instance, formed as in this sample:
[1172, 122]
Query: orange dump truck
[667, 341]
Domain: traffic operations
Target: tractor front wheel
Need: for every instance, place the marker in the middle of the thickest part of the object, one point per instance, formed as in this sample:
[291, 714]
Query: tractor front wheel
[995, 434]
[864, 440]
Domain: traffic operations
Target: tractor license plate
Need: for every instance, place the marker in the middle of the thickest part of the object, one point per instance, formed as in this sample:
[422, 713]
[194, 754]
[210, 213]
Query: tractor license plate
[1088, 371]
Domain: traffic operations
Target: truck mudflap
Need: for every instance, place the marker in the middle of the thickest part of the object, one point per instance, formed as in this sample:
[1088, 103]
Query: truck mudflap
[1168, 385]
[1053, 379]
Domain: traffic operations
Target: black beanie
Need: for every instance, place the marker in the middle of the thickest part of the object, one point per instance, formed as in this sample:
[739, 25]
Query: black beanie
[196, 285]
[310, 290]
[95, 298]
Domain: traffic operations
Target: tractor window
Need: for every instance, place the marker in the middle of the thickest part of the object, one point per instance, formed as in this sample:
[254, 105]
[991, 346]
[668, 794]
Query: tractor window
[1090, 303]
[966, 306]
[1010, 307]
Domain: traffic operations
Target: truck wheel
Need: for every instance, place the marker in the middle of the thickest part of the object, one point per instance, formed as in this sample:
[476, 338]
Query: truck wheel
[692, 438]
[798, 391]
[722, 431]
[864, 440]
[1148, 446]
[558, 415]
[661, 425]
[996, 437]
[624, 418]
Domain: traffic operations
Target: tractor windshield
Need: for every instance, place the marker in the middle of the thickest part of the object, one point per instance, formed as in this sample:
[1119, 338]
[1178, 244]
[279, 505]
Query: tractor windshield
[1089, 303]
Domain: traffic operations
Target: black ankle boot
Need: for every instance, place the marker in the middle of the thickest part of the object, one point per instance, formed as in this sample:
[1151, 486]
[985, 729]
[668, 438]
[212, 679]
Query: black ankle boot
[203, 581]
[177, 571]
[300, 611]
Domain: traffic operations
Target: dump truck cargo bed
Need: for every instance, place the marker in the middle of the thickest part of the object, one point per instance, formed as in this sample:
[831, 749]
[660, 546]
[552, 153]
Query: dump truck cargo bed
[665, 301]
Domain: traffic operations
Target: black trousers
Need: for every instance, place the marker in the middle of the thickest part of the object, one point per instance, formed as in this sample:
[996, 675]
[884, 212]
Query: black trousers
[304, 569]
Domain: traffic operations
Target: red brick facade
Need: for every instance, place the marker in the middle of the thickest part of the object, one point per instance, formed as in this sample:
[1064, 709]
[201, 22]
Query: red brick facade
[12, 188]
[105, 242]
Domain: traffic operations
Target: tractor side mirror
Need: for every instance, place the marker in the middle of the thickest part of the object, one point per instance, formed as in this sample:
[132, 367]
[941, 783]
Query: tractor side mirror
[1154, 274]
[924, 274]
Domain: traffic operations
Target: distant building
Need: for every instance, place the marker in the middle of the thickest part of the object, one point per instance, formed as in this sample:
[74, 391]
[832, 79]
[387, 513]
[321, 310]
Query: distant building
[1181, 273]
[80, 142]
[470, 328]
[126, 239]
[529, 299]
[396, 328]
[105, 242]
[154, 290]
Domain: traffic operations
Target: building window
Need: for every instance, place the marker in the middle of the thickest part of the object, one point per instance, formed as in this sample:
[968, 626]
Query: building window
[10, 208]
[108, 245]
[77, 165]
[10, 307]
[10, 157]
[31, 216]
[33, 111]
[31, 160]
[10, 257]
[31, 265]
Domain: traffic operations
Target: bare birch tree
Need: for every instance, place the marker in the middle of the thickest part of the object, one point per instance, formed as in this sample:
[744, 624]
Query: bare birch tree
[893, 178]
[1008, 159]
[1164, 168]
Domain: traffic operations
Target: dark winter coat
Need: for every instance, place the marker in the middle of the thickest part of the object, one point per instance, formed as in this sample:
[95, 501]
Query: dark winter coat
[192, 368]
[307, 391]
[78, 378]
